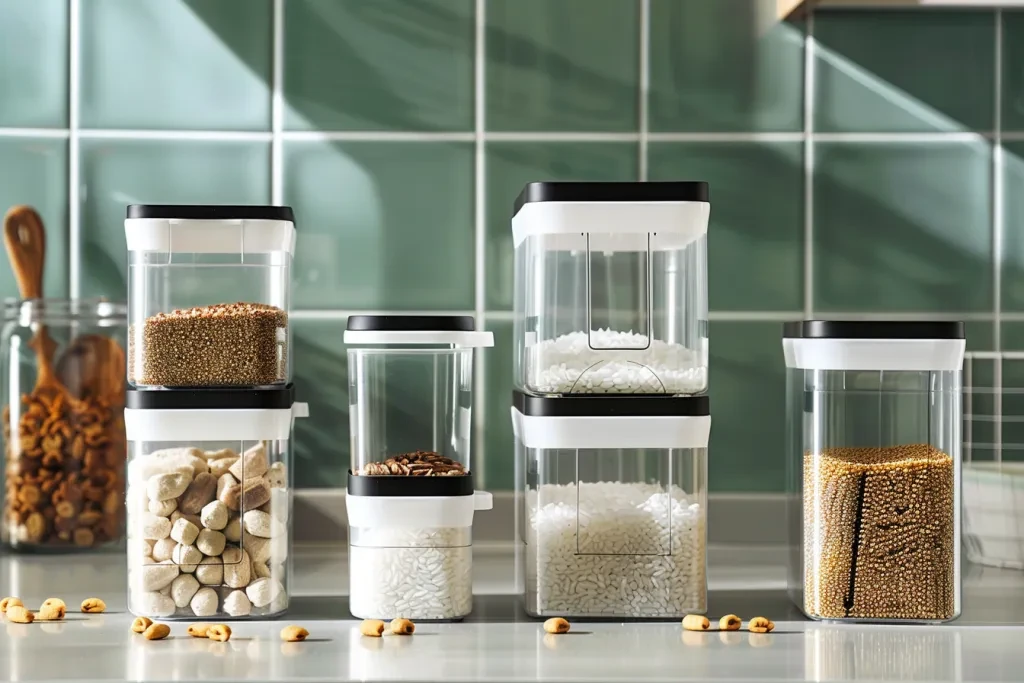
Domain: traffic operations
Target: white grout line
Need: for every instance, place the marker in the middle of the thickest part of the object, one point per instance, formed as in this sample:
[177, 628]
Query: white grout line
[204, 135]
[560, 136]
[726, 137]
[645, 86]
[890, 138]
[809, 56]
[74, 200]
[783, 316]
[343, 314]
[54, 133]
[479, 463]
[277, 108]
[754, 316]
[374, 136]
[997, 235]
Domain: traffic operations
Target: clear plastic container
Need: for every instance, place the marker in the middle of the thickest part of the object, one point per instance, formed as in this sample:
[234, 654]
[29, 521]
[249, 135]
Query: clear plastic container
[209, 295]
[209, 502]
[612, 501]
[611, 288]
[63, 424]
[410, 487]
[874, 439]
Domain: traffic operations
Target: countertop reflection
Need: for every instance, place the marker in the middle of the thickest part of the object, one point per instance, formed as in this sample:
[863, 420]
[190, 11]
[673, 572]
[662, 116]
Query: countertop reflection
[498, 642]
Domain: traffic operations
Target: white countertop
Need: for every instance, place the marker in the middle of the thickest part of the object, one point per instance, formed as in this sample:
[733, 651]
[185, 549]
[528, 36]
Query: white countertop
[498, 642]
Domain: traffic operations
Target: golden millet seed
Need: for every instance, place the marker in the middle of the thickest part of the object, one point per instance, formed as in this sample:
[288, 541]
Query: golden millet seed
[10, 602]
[141, 624]
[696, 622]
[402, 627]
[372, 627]
[294, 634]
[730, 622]
[93, 606]
[556, 625]
[156, 632]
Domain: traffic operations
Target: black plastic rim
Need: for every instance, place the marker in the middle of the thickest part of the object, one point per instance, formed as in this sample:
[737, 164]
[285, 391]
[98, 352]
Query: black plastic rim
[679, 191]
[214, 212]
[865, 329]
[211, 399]
[604, 405]
[411, 323]
[360, 485]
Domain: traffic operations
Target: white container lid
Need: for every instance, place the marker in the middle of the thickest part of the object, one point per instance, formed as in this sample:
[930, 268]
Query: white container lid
[210, 229]
[909, 346]
[612, 216]
[438, 330]
[602, 421]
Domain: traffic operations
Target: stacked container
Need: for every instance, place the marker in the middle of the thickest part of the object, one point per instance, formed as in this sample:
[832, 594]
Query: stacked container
[209, 410]
[609, 412]
[874, 437]
[410, 497]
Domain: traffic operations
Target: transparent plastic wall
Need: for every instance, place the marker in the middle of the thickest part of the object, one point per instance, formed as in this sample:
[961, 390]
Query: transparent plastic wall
[208, 529]
[874, 472]
[611, 313]
[612, 532]
[410, 410]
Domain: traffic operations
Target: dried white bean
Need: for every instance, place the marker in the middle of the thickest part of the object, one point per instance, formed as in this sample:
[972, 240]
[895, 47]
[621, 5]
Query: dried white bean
[210, 571]
[164, 508]
[262, 591]
[277, 475]
[164, 549]
[184, 531]
[253, 463]
[210, 542]
[233, 531]
[157, 576]
[183, 588]
[166, 486]
[155, 527]
[187, 557]
[221, 466]
[256, 523]
[237, 567]
[237, 604]
[152, 604]
[214, 515]
[257, 547]
[204, 602]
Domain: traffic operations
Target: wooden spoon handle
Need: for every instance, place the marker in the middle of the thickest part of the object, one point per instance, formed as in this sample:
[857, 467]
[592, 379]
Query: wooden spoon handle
[25, 240]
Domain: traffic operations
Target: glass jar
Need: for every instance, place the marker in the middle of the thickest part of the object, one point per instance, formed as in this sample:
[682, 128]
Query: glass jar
[63, 424]
[611, 509]
[209, 295]
[874, 438]
[611, 288]
[209, 502]
[410, 487]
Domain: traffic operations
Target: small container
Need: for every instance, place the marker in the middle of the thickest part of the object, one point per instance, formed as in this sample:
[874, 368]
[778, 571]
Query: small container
[612, 500]
[209, 294]
[611, 288]
[63, 424]
[209, 502]
[410, 488]
[874, 413]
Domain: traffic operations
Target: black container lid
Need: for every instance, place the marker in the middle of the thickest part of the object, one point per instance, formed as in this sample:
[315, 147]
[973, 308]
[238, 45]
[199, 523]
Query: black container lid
[677, 191]
[212, 212]
[396, 485]
[873, 329]
[617, 405]
[410, 323]
[266, 398]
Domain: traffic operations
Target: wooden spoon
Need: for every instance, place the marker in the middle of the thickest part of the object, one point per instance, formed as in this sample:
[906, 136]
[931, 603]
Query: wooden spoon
[25, 239]
[93, 365]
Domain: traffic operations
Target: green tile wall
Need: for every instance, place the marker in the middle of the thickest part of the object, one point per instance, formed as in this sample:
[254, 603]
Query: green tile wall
[884, 182]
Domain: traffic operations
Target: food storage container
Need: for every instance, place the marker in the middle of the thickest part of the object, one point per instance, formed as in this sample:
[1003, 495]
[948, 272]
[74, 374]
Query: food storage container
[209, 497]
[611, 288]
[63, 424]
[874, 423]
[612, 499]
[410, 488]
[208, 293]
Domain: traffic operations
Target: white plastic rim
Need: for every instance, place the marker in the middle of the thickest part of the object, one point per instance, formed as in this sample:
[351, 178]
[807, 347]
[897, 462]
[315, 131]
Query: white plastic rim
[908, 355]
[259, 424]
[612, 226]
[415, 512]
[466, 340]
[661, 431]
[187, 236]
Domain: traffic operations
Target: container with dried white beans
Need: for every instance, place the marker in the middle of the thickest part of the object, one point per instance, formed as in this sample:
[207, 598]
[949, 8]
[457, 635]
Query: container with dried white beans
[410, 486]
[611, 501]
[209, 502]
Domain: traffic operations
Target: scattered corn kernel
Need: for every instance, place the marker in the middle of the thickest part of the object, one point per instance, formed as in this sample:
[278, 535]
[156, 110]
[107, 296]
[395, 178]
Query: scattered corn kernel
[141, 624]
[10, 602]
[156, 632]
[760, 625]
[556, 625]
[730, 622]
[219, 632]
[93, 606]
[198, 630]
[696, 622]
[19, 615]
[52, 611]
[402, 627]
[294, 634]
[372, 627]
